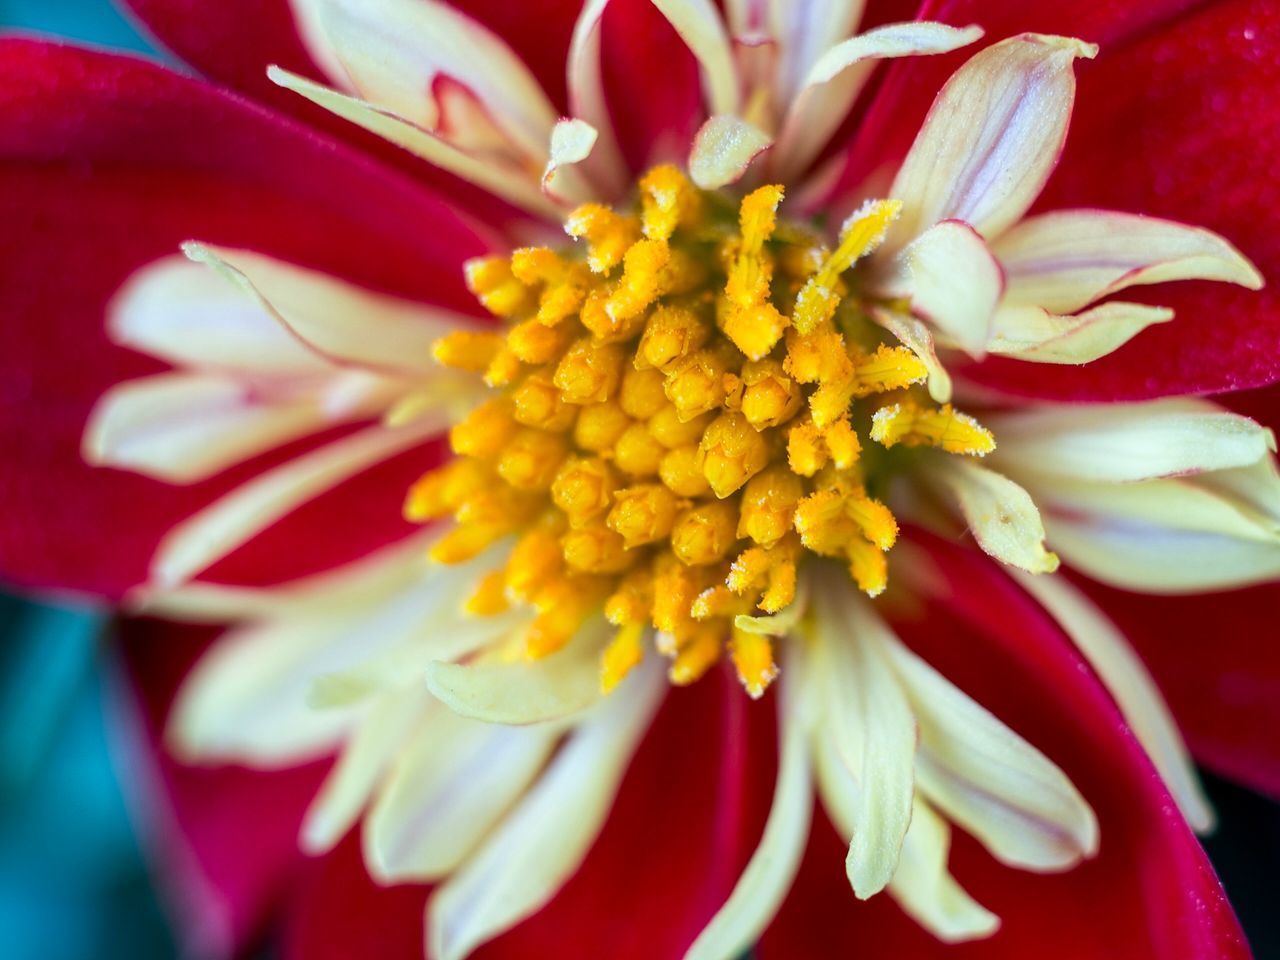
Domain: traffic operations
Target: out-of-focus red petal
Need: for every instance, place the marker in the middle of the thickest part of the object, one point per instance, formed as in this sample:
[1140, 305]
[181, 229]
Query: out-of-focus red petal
[1217, 663]
[223, 840]
[1150, 893]
[687, 817]
[107, 163]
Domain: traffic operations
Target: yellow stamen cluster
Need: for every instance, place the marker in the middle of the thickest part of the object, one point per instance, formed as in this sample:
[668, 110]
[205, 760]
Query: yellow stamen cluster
[679, 412]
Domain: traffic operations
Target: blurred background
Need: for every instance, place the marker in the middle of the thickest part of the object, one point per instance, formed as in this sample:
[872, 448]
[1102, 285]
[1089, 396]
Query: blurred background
[73, 884]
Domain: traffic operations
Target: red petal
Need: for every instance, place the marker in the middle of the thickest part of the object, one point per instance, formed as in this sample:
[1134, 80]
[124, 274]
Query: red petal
[686, 820]
[1150, 893]
[109, 163]
[224, 839]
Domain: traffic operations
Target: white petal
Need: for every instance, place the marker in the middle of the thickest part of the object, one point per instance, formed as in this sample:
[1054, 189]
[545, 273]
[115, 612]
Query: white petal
[767, 877]
[802, 30]
[700, 27]
[953, 281]
[991, 138]
[231, 521]
[918, 338]
[395, 54]
[525, 691]
[989, 780]
[449, 787]
[341, 322]
[1002, 516]
[871, 727]
[526, 861]
[837, 76]
[365, 757]
[1135, 692]
[184, 427]
[723, 149]
[1124, 442]
[1034, 335]
[1066, 259]
[587, 99]
[501, 179]
[185, 313]
[571, 143]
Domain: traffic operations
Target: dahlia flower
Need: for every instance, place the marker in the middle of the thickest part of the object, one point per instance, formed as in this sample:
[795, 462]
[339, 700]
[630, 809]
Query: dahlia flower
[558, 383]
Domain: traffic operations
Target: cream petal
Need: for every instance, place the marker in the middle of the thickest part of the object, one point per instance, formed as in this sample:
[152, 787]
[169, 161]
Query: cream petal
[1126, 442]
[916, 336]
[525, 691]
[529, 857]
[572, 141]
[768, 875]
[699, 24]
[337, 320]
[989, 780]
[185, 427]
[803, 30]
[515, 185]
[723, 150]
[1126, 677]
[838, 74]
[954, 283]
[187, 314]
[1001, 515]
[991, 138]
[234, 519]
[871, 727]
[395, 54]
[1035, 335]
[365, 757]
[1067, 259]
[587, 97]
[449, 786]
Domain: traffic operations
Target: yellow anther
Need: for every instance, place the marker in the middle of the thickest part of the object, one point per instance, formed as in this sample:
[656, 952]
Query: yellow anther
[748, 571]
[873, 518]
[536, 558]
[681, 471]
[782, 581]
[758, 217]
[772, 569]
[717, 601]
[583, 488]
[817, 356]
[637, 452]
[868, 566]
[469, 350]
[842, 443]
[668, 200]
[536, 343]
[768, 505]
[889, 368]
[485, 430]
[604, 326]
[672, 432]
[913, 425]
[564, 284]
[532, 458]
[537, 402]
[641, 395]
[595, 549]
[439, 492]
[705, 533]
[465, 542]
[608, 234]
[697, 654]
[490, 596]
[769, 395]
[862, 233]
[563, 606]
[696, 383]
[643, 514]
[675, 587]
[632, 601]
[750, 320]
[754, 329]
[822, 524]
[806, 452]
[670, 334]
[503, 369]
[644, 279]
[599, 426]
[590, 372]
[495, 286]
[733, 452]
[752, 655]
[621, 656]
[497, 505]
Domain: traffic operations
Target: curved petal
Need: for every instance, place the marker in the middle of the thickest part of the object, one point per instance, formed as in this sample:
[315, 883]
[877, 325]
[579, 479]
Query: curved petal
[1035, 335]
[1149, 895]
[723, 150]
[109, 163]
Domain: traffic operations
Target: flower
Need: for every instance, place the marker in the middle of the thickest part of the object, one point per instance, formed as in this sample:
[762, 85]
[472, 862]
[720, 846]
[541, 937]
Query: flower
[840, 363]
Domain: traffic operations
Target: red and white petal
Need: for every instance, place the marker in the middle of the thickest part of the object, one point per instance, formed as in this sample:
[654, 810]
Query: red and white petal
[1034, 335]
[834, 77]
[991, 138]
[1067, 259]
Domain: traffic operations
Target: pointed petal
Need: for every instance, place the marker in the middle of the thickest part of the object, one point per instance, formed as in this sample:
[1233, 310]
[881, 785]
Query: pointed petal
[587, 96]
[1034, 335]
[723, 150]
[1001, 515]
[700, 27]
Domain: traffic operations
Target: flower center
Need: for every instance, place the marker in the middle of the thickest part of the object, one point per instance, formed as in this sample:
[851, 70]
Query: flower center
[679, 413]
